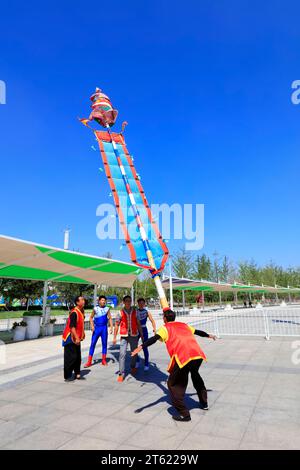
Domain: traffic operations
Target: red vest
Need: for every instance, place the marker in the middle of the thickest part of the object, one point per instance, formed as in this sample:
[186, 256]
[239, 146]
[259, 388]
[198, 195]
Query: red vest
[79, 325]
[182, 345]
[124, 323]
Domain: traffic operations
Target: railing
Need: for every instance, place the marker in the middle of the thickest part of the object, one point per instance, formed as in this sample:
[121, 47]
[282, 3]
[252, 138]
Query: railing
[255, 322]
[6, 324]
[266, 322]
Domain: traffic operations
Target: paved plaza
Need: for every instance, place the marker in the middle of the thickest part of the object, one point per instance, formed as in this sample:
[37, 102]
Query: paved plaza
[254, 400]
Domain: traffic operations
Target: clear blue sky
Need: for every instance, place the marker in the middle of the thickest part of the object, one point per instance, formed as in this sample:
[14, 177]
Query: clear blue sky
[205, 87]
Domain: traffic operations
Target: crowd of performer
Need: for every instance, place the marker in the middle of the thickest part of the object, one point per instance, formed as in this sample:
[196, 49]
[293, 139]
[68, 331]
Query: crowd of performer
[186, 356]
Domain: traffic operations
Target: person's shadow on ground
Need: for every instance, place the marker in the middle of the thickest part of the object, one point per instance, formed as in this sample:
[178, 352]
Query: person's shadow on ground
[83, 373]
[114, 350]
[156, 376]
[153, 376]
[109, 359]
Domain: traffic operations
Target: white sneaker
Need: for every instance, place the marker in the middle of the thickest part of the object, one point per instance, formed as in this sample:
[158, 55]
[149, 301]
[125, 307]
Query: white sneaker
[146, 368]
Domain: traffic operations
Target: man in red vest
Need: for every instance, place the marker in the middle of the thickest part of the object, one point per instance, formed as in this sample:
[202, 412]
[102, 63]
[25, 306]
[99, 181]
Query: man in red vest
[130, 328]
[186, 357]
[71, 340]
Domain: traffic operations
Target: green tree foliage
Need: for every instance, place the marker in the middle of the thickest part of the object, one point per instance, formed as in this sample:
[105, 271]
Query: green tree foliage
[183, 263]
[67, 292]
[202, 268]
[21, 289]
[249, 272]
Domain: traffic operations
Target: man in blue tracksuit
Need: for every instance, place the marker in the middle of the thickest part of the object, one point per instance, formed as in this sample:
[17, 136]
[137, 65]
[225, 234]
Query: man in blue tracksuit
[98, 320]
[142, 316]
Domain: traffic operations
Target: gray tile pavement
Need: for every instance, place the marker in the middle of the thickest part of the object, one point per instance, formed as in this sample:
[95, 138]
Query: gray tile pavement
[254, 403]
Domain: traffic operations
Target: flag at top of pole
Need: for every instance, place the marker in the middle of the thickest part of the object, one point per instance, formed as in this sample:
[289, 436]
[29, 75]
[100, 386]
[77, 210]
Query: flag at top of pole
[145, 243]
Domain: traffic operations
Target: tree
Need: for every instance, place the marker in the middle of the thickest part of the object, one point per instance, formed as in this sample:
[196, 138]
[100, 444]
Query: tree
[5, 285]
[226, 272]
[67, 291]
[249, 272]
[21, 289]
[216, 267]
[202, 268]
[145, 287]
[183, 263]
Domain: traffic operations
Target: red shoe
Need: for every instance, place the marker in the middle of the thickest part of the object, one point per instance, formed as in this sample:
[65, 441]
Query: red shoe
[104, 363]
[89, 362]
[120, 378]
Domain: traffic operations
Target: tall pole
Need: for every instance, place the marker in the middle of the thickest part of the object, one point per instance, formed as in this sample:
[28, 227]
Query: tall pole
[66, 238]
[145, 240]
[132, 294]
[45, 295]
[95, 294]
[171, 283]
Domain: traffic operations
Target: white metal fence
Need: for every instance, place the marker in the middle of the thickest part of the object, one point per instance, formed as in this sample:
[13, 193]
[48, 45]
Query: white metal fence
[7, 324]
[266, 322]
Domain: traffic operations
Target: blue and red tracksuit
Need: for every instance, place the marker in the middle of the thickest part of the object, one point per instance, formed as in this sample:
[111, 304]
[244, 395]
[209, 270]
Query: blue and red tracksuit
[101, 330]
[142, 315]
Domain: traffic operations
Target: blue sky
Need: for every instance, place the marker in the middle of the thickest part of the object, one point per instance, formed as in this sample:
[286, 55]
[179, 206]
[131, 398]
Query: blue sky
[206, 89]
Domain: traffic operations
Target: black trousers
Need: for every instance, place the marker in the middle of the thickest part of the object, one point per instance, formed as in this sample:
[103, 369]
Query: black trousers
[178, 381]
[72, 360]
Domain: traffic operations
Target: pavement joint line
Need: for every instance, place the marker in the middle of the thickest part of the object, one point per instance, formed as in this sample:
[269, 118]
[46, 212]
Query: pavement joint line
[257, 399]
[28, 378]
[44, 428]
[29, 364]
[226, 389]
[36, 363]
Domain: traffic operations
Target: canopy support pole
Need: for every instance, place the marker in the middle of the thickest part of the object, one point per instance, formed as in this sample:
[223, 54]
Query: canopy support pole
[183, 300]
[45, 295]
[132, 294]
[171, 283]
[95, 294]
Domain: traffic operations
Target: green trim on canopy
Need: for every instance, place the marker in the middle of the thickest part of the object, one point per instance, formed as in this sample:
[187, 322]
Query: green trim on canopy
[210, 286]
[22, 272]
[240, 286]
[88, 262]
[200, 288]
[20, 259]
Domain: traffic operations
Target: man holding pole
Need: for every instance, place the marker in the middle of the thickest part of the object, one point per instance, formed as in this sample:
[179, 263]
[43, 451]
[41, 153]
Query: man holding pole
[186, 358]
